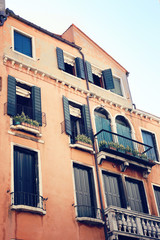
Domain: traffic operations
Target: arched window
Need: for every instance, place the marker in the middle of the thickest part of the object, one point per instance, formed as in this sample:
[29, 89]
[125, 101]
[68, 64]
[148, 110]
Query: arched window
[123, 128]
[102, 123]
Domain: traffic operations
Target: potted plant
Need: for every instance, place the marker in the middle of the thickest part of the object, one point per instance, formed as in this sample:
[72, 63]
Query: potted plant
[84, 140]
[128, 150]
[112, 145]
[25, 121]
[144, 156]
[102, 145]
[135, 153]
[121, 148]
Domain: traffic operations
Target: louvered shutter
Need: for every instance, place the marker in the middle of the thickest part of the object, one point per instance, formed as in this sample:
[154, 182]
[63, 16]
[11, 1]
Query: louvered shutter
[83, 194]
[80, 68]
[60, 59]
[135, 196]
[149, 139]
[157, 195]
[112, 191]
[102, 123]
[36, 104]
[87, 121]
[117, 86]
[12, 100]
[126, 132]
[67, 116]
[89, 72]
[108, 79]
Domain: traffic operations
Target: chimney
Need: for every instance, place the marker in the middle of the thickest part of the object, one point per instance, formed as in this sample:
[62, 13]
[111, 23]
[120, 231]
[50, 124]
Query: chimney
[2, 7]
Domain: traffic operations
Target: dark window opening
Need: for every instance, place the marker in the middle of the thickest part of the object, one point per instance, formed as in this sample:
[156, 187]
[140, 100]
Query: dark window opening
[98, 81]
[69, 69]
[85, 191]
[26, 180]
[24, 100]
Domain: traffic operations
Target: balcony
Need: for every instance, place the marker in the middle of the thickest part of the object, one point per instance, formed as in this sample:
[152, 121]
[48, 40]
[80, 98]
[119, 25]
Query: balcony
[113, 146]
[127, 224]
[29, 202]
[23, 121]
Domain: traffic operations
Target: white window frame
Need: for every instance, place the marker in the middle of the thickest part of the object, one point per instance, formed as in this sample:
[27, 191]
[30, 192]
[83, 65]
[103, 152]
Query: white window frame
[25, 207]
[32, 42]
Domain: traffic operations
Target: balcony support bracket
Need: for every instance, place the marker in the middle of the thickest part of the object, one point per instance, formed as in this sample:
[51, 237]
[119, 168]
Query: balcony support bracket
[124, 166]
[146, 172]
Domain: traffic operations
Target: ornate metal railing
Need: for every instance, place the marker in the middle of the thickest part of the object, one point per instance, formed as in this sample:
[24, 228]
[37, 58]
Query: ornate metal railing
[28, 199]
[127, 222]
[123, 145]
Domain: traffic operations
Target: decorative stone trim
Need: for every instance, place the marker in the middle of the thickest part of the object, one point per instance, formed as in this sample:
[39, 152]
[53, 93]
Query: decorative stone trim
[28, 209]
[25, 128]
[91, 221]
[35, 71]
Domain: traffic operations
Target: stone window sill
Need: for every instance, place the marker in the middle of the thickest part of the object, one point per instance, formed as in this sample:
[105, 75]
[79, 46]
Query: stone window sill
[25, 208]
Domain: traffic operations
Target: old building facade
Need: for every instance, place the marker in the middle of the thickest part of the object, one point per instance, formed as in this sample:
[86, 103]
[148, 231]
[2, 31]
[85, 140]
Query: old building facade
[78, 161]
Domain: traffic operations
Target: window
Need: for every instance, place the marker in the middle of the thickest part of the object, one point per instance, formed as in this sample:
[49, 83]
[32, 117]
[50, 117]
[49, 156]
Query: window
[123, 128]
[113, 190]
[149, 139]
[103, 123]
[85, 191]
[157, 196]
[117, 86]
[23, 43]
[125, 194]
[77, 119]
[136, 195]
[26, 177]
[24, 98]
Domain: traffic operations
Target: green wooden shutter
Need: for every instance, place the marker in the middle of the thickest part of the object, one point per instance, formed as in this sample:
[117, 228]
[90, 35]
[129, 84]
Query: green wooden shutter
[103, 123]
[89, 72]
[112, 191]
[80, 68]
[83, 187]
[124, 131]
[135, 195]
[67, 116]
[157, 195]
[87, 121]
[117, 85]
[108, 79]
[36, 104]
[12, 100]
[60, 59]
[149, 139]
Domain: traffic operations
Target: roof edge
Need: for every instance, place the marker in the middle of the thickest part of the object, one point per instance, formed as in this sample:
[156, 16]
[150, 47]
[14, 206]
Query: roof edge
[56, 36]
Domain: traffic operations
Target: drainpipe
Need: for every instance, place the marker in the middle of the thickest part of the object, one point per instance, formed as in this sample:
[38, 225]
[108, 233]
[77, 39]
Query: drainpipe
[95, 150]
[3, 16]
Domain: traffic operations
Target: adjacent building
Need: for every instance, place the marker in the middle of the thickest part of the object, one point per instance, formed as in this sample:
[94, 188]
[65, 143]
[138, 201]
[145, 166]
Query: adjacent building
[77, 160]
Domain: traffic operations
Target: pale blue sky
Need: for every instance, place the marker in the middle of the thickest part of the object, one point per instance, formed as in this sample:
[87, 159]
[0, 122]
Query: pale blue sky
[129, 30]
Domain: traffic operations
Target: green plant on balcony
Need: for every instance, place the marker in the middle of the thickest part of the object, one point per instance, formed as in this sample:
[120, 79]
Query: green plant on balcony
[128, 149]
[120, 147]
[20, 119]
[144, 156]
[113, 145]
[83, 138]
[102, 145]
[135, 153]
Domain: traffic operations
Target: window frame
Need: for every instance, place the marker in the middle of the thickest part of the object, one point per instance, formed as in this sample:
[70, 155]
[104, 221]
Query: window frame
[32, 43]
[156, 185]
[96, 200]
[123, 179]
[156, 141]
[26, 207]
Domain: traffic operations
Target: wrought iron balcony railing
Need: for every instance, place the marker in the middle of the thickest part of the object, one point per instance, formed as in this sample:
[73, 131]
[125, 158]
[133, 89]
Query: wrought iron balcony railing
[28, 199]
[122, 146]
[131, 224]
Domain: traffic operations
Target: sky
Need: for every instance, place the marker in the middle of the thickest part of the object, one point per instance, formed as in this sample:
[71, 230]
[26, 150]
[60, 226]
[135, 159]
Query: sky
[128, 30]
